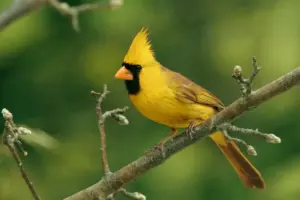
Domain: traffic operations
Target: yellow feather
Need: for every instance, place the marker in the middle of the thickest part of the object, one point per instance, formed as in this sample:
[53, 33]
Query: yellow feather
[140, 51]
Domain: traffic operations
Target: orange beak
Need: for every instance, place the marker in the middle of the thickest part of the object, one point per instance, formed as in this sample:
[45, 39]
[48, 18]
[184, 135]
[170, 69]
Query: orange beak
[124, 74]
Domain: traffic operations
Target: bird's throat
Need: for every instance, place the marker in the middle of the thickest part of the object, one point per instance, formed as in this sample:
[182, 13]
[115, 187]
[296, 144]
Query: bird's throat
[133, 86]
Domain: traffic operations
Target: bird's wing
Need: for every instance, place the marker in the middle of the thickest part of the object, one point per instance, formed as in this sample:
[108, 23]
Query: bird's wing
[189, 92]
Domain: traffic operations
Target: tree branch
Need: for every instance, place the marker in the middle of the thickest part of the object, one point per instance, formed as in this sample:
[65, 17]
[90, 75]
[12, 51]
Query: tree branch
[10, 138]
[74, 11]
[20, 8]
[246, 83]
[99, 100]
[153, 159]
[116, 114]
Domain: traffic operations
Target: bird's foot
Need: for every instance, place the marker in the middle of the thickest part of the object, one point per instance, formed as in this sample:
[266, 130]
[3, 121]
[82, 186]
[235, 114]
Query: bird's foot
[161, 148]
[190, 130]
[212, 123]
[161, 145]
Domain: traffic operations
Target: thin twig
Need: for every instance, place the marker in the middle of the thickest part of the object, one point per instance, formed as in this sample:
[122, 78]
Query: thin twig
[20, 8]
[99, 100]
[25, 176]
[10, 137]
[256, 69]
[250, 149]
[111, 196]
[132, 195]
[225, 127]
[228, 127]
[116, 114]
[146, 162]
[74, 11]
[124, 192]
[246, 83]
[269, 137]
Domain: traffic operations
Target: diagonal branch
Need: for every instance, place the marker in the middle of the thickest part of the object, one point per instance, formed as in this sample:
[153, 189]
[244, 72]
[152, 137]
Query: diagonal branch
[10, 138]
[74, 11]
[153, 159]
[20, 8]
[25, 176]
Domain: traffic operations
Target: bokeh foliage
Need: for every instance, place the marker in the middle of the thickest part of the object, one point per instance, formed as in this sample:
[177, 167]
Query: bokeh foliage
[47, 71]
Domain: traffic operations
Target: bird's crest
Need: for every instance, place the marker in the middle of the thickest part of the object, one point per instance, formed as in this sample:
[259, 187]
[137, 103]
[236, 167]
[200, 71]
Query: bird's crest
[140, 51]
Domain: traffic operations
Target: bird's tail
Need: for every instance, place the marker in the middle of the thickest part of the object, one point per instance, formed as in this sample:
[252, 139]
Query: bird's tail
[248, 174]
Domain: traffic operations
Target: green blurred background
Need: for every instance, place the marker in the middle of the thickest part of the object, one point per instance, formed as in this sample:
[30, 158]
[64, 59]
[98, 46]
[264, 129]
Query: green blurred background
[47, 71]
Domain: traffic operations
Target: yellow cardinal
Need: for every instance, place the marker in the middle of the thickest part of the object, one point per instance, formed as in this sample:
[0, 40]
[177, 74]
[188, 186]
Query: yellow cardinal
[169, 98]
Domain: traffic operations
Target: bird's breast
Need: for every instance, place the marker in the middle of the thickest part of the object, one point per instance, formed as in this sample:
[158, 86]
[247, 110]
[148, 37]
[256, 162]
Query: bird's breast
[161, 106]
[157, 100]
[157, 106]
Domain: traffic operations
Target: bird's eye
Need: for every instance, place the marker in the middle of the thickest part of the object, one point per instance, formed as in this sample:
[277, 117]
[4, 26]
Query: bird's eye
[139, 67]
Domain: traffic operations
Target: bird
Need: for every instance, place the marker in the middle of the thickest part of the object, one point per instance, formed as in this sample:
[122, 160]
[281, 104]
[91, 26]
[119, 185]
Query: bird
[169, 98]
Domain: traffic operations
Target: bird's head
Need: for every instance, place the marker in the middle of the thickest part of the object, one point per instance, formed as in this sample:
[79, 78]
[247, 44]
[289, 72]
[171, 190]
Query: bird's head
[138, 59]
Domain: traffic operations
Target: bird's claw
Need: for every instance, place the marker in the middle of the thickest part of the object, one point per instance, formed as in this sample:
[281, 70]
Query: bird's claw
[212, 123]
[190, 130]
[161, 148]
